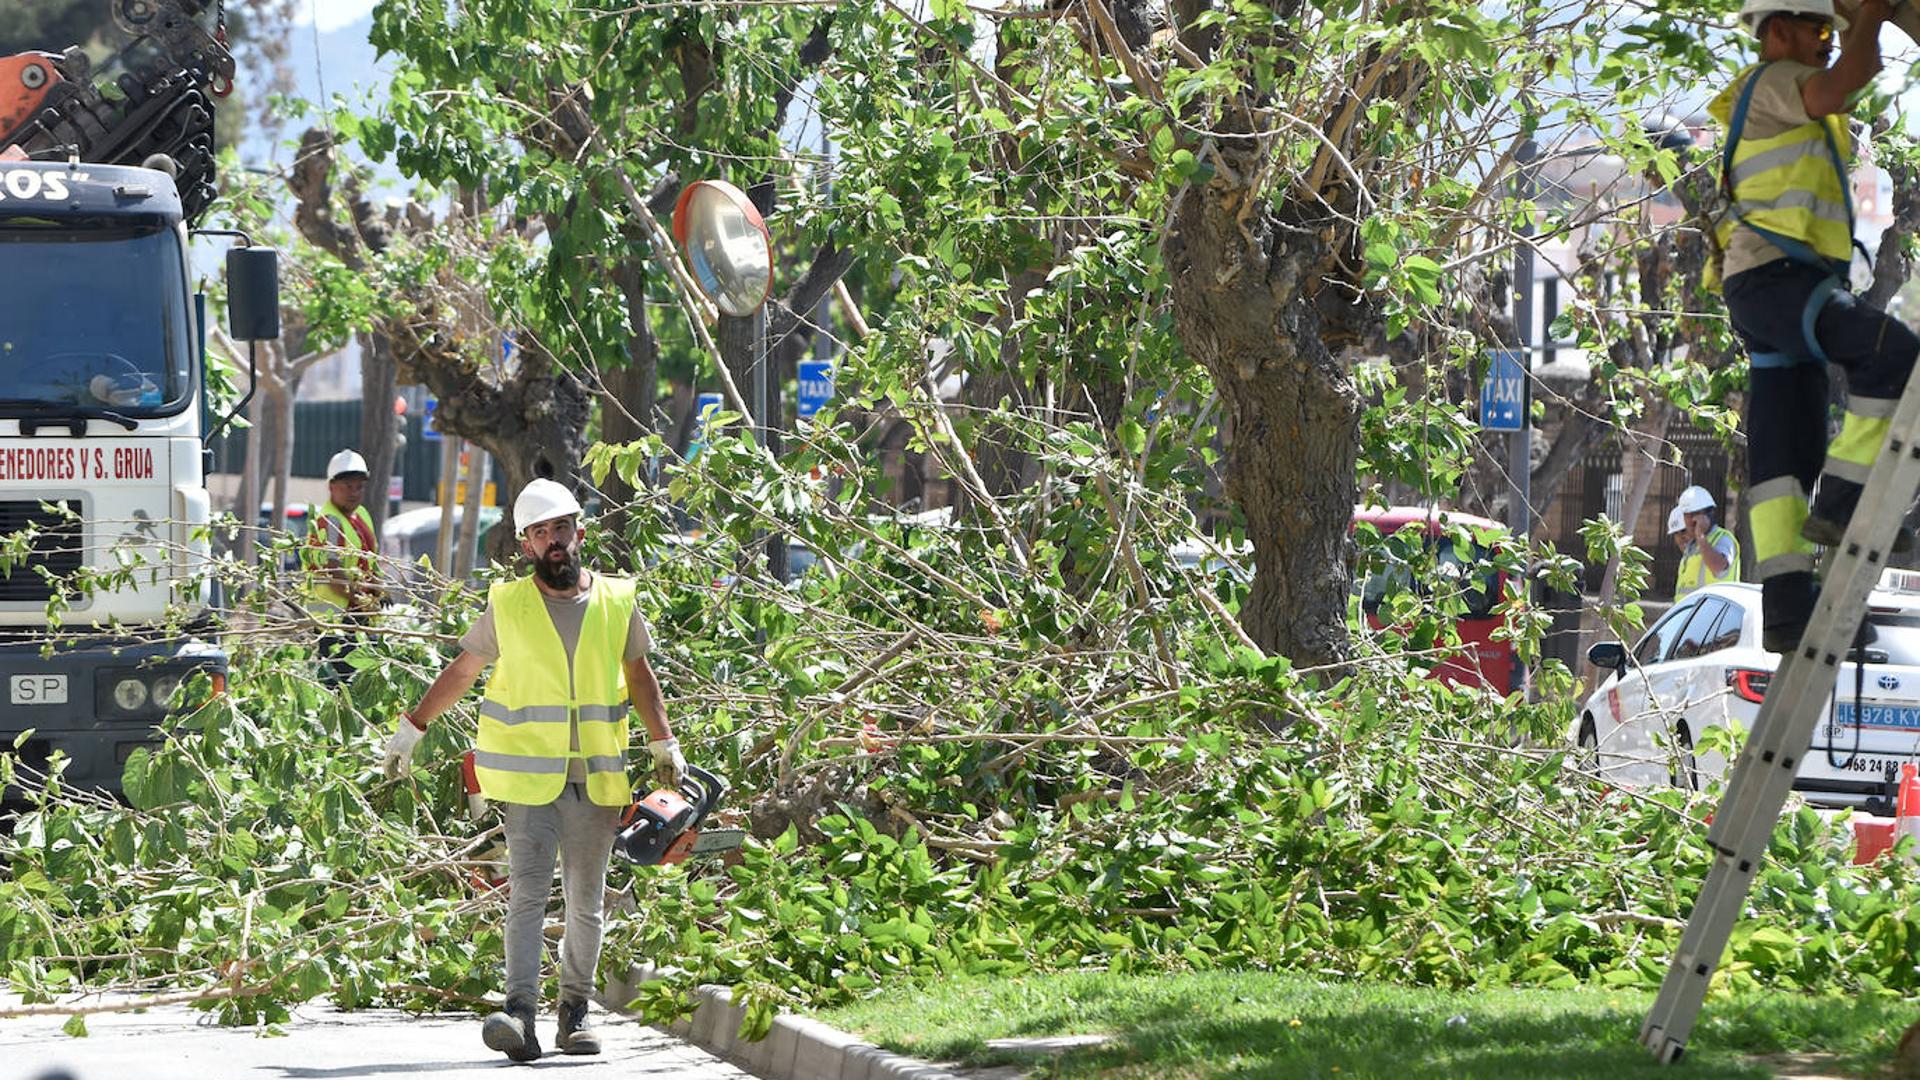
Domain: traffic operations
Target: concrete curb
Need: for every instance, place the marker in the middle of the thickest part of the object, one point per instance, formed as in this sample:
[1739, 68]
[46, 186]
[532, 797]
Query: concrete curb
[798, 1048]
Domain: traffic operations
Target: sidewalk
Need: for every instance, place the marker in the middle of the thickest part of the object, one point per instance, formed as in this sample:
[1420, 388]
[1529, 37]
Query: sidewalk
[321, 1043]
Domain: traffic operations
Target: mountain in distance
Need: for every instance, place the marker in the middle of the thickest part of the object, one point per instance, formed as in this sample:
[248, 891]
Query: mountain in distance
[325, 65]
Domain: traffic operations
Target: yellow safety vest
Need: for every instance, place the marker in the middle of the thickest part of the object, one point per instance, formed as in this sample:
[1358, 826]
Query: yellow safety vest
[1793, 184]
[1693, 565]
[527, 715]
[360, 560]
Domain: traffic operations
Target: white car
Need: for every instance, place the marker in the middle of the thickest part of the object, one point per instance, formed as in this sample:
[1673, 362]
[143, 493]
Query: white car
[414, 533]
[1701, 664]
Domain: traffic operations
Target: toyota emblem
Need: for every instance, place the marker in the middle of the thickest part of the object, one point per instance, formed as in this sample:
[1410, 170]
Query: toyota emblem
[1889, 682]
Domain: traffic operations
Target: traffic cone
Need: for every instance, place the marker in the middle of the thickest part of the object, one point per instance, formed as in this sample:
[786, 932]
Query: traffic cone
[1906, 811]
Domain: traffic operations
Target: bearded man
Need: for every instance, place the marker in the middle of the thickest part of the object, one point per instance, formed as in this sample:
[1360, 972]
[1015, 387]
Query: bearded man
[570, 653]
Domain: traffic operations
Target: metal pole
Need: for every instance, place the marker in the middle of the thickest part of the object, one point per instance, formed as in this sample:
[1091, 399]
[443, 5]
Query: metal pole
[759, 340]
[1520, 444]
[766, 408]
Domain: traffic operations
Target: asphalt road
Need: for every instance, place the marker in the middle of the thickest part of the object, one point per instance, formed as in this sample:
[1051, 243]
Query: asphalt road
[320, 1043]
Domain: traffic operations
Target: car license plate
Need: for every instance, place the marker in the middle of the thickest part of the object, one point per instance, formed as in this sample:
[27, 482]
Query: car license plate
[1883, 717]
[1871, 767]
[37, 689]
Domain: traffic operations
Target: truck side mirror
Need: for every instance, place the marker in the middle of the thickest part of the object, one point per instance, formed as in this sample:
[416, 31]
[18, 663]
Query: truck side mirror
[253, 293]
[1608, 654]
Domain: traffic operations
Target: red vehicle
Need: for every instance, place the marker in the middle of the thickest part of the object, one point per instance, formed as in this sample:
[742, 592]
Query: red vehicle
[1455, 557]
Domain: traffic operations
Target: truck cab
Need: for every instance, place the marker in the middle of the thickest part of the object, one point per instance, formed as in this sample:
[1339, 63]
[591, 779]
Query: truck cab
[104, 509]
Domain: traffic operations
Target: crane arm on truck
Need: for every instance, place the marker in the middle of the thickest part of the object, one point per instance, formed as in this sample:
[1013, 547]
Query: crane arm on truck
[160, 103]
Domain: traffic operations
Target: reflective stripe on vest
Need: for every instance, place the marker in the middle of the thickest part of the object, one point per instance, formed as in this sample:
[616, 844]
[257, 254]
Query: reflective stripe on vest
[529, 709]
[1792, 185]
[359, 561]
[1694, 571]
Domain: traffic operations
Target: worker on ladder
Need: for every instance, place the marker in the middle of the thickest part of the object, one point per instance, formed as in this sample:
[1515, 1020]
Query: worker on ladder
[1709, 554]
[1786, 246]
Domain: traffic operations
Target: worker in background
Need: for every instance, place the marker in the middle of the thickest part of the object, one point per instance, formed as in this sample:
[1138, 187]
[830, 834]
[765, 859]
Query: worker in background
[1711, 554]
[1786, 242]
[1677, 532]
[569, 649]
[341, 559]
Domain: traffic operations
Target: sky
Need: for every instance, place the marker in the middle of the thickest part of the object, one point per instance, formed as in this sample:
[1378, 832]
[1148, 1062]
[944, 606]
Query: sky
[330, 15]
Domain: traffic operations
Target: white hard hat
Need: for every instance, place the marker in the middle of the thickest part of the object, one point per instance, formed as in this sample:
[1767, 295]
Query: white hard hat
[1752, 11]
[1694, 499]
[542, 500]
[344, 463]
[1676, 521]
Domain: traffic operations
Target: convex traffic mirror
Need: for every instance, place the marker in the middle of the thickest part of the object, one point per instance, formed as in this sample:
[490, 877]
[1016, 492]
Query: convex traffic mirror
[728, 247]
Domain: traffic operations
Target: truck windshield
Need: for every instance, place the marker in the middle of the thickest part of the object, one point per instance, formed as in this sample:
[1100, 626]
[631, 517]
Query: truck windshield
[94, 316]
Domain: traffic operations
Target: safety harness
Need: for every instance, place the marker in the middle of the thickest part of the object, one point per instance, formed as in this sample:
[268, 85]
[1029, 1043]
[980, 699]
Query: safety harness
[1799, 251]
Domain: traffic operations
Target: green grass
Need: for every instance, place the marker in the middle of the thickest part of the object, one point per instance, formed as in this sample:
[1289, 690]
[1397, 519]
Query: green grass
[1255, 1024]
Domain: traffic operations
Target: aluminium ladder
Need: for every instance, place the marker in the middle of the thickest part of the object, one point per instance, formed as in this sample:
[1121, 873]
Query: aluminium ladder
[1782, 732]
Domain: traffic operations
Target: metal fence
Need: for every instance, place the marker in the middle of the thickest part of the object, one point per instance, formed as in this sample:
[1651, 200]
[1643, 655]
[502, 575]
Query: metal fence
[1596, 487]
[322, 428]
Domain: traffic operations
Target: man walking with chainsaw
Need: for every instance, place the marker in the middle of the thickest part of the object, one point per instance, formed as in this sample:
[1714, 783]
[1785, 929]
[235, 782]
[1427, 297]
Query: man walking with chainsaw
[1787, 245]
[569, 650]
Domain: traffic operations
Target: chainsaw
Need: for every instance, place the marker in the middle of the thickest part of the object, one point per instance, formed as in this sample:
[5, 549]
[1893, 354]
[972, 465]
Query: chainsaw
[665, 826]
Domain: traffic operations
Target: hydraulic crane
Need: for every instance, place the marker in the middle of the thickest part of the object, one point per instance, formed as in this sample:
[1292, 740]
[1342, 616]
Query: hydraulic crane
[52, 107]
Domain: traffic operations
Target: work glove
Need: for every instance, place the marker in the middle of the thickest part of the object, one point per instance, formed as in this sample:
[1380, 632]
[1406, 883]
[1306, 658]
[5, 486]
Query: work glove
[669, 765]
[406, 736]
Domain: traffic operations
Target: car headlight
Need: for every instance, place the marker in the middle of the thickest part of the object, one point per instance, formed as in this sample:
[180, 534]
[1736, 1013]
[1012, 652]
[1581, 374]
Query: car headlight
[130, 694]
[166, 691]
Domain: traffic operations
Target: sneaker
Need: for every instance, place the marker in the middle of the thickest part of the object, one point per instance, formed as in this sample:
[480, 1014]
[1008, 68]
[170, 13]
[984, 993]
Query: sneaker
[511, 1031]
[576, 1035]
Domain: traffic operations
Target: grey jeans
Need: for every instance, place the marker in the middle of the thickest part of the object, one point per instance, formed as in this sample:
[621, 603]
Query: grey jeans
[581, 834]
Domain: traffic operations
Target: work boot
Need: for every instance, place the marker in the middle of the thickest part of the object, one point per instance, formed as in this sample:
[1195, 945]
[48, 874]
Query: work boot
[576, 1035]
[1832, 509]
[1786, 603]
[511, 1031]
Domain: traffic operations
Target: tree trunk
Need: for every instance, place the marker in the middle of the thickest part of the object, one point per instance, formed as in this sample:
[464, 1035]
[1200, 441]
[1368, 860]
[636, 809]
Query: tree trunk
[535, 425]
[279, 461]
[465, 547]
[626, 413]
[1637, 466]
[1577, 433]
[1240, 309]
[680, 417]
[378, 425]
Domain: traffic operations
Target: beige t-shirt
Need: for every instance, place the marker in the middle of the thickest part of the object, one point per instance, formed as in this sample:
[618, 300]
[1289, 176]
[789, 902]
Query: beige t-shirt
[569, 614]
[1777, 105]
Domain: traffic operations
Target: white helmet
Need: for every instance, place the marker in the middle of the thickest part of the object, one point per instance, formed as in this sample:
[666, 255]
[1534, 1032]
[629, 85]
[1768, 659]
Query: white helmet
[1694, 500]
[542, 500]
[345, 463]
[1676, 521]
[1752, 11]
